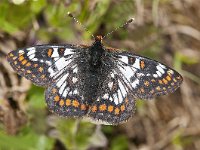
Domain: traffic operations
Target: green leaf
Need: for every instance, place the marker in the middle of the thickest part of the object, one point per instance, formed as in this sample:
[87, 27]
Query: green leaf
[37, 6]
[28, 141]
[119, 143]
[36, 97]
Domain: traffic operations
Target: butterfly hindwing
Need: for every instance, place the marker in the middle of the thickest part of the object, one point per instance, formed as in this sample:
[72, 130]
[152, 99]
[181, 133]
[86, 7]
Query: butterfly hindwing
[145, 77]
[42, 63]
[63, 96]
[114, 103]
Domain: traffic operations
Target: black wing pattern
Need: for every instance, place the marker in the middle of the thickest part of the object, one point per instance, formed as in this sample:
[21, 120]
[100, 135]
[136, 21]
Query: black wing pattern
[55, 67]
[145, 77]
[131, 77]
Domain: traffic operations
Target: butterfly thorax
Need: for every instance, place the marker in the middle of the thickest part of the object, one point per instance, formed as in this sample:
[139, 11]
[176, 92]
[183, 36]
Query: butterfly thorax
[96, 52]
[93, 71]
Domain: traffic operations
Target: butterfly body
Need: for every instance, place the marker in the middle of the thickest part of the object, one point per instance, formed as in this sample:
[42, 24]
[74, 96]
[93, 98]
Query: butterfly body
[93, 82]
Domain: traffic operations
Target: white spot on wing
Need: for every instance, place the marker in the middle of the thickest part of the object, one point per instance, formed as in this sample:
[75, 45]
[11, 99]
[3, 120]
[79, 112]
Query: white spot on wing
[170, 71]
[21, 51]
[135, 83]
[116, 100]
[122, 88]
[68, 52]
[110, 85]
[65, 92]
[155, 75]
[61, 63]
[34, 59]
[112, 75]
[137, 63]
[75, 91]
[74, 80]
[62, 88]
[62, 80]
[124, 59]
[164, 67]
[31, 49]
[160, 69]
[75, 70]
[48, 63]
[127, 72]
[31, 52]
[31, 57]
[120, 96]
[106, 96]
[55, 52]
[159, 73]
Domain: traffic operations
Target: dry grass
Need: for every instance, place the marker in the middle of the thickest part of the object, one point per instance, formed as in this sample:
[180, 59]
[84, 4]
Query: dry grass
[173, 29]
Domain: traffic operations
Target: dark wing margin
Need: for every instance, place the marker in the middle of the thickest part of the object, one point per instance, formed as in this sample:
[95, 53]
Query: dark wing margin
[145, 77]
[41, 63]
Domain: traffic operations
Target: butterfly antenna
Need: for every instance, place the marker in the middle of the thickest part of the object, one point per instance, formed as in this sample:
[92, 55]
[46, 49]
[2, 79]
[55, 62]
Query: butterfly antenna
[86, 29]
[122, 26]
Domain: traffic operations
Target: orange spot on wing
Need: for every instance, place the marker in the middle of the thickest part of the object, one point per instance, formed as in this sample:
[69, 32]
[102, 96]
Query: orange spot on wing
[94, 108]
[175, 80]
[24, 62]
[117, 111]
[168, 78]
[126, 100]
[153, 80]
[68, 102]
[56, 98]
[146, 83]
[11, 55]
[102, 107]
[122, 107]
[40, 69]
[142, 64]
[28, 64]
[152, 91]
[160, 82]
[75, 103]
[61, 103]
[54, 90]
[43, 76]
[110, 108]
[142, 90]
[21, 58]
[28, 71]
[15, 62]
[50, 51]
[83, 107]
[35, 65]
[158, 88]
[165, 81]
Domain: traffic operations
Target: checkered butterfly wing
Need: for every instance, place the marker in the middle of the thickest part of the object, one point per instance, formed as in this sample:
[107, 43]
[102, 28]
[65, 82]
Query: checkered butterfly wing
[146, 78]
[131, 77]
[55, 67]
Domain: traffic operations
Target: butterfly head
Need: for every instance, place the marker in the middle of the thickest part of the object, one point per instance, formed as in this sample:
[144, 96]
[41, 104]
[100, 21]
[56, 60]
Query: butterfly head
[98, 38]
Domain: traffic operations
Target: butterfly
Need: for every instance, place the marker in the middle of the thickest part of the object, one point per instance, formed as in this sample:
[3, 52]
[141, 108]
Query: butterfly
[93, 82]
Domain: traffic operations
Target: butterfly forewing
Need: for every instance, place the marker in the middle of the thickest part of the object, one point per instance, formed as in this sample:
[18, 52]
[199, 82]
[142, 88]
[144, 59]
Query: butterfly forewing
[146, 78]
[42, 64]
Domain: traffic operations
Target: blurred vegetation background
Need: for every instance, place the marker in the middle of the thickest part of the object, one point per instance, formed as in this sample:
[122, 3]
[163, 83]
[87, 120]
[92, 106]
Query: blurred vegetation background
[165, 30]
